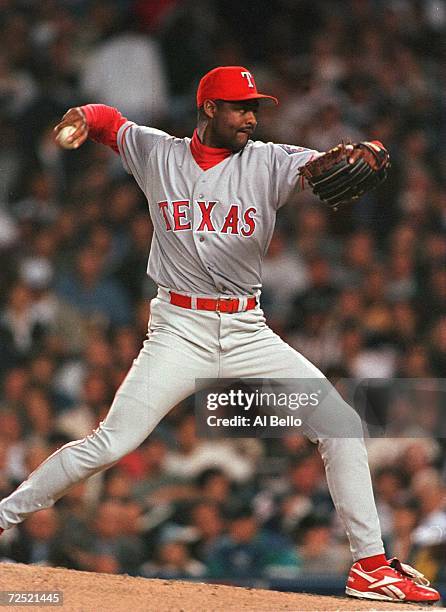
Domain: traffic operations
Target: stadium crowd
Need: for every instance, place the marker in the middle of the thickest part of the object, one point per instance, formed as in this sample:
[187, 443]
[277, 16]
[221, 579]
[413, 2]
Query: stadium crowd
[361, 292]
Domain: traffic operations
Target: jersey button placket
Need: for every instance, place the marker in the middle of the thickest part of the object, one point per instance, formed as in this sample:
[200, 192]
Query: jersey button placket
[200, 197]
[199, 239]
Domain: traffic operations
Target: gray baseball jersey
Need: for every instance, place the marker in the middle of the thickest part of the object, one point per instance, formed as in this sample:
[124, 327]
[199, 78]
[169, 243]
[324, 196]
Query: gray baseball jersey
[211, 228]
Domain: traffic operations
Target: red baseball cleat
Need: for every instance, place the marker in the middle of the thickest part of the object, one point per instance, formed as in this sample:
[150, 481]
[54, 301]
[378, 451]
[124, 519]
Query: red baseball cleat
[394, 582]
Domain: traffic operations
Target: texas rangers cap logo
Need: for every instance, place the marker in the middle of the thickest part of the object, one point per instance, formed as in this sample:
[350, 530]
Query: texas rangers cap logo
[231, 84]
[248, 76]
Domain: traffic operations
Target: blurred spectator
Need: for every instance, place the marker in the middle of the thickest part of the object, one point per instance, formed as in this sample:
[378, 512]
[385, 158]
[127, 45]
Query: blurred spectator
[42, 371]
[319, 294]
[6, 483]
[39, 414]
[283, 276]
[215, 486]
[14, 387]
[12, 440]
[402, 278]
[126, 346]
[438, 348]
[21, 326]
[147, 462]
[17, 88]
[429, 491]
[328, 129]
[207, 520]
[404, 520]
[82, 418]
[306, 490]
[126, 70]
[97, 356]
[35, 453]
[404, 318]
[311, 228]
[94, 294]
[132, 268]
[318, 553]
[388, 483]
[39, 206]
[74, 509]
[410, 454]
[107, 546]
[9, 232]
[415, 362]
[195, 455]
[117, 484]
[153, 484]
[359, 256]
[38, 541]
[198, 51]
[316, 341]
[298, 491]
[250, 552]
[173, 562]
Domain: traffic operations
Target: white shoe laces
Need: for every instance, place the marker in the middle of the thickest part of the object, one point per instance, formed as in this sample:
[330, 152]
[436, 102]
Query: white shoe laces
[408, 570]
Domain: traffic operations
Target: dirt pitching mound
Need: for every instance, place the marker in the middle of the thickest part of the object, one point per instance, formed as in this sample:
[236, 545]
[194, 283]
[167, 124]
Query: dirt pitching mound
[88, 592]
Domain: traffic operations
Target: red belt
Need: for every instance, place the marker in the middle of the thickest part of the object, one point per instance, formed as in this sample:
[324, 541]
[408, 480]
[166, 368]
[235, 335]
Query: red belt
[229, 305]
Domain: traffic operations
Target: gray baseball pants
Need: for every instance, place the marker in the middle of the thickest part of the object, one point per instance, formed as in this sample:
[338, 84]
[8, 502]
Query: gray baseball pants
[184, 345]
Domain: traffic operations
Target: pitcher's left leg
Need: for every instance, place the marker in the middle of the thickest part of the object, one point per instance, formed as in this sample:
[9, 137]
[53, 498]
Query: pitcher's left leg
[266, 355]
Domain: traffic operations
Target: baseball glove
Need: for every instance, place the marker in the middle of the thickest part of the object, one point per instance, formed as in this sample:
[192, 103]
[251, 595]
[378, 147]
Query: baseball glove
[343, 174]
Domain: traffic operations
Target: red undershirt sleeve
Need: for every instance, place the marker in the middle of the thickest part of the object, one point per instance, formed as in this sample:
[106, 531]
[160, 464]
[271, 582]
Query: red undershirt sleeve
[103, 124]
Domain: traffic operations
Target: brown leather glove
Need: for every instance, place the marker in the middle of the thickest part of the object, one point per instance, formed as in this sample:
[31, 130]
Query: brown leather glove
[344, 173]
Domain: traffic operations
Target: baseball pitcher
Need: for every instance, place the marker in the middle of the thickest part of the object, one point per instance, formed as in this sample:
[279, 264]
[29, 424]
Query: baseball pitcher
[213, 200]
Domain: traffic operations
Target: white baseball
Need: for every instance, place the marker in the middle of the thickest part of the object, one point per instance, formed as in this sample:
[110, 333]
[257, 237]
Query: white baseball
[64, 134]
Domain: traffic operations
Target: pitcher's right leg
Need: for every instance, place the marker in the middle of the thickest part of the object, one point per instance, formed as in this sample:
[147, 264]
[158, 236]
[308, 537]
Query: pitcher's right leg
[163, 374]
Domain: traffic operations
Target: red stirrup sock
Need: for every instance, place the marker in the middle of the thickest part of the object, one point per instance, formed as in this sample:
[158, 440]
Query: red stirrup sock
[369, 564]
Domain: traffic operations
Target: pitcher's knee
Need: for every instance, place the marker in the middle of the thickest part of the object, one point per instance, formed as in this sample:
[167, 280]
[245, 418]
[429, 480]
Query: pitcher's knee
[114, 453]
[112, 450]
[98, 450]
[337, 420]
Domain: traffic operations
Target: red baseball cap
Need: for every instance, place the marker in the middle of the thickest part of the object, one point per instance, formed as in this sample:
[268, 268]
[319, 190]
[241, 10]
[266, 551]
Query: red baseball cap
[229, 83]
